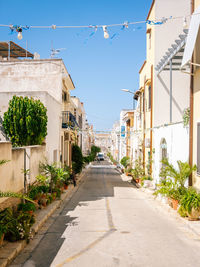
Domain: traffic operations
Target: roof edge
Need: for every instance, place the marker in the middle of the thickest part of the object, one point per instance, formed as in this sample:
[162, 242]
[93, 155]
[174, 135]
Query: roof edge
[152, 4]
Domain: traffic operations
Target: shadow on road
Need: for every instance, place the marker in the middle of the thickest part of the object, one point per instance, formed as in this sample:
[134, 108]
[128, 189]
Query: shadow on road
[99, 183]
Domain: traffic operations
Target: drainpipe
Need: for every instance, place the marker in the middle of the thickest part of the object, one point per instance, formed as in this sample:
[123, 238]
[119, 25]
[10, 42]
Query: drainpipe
[151, 122]
[144, 125]
[170, 92]
[191, 110]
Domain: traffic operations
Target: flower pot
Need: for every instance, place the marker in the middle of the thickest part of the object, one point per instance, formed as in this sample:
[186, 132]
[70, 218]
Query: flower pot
[1, 239]
[30, 212]
[43, 202]
[65, 186]
[194, 215]
[62, 189]
[174, 204]
[137, 180]
[54, 195]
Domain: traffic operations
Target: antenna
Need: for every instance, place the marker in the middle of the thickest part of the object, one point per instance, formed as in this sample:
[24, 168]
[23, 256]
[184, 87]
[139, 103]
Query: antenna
[55, 52]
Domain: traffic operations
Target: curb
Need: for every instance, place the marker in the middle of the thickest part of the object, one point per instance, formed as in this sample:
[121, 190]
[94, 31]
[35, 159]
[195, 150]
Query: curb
[194, 226]
[9, 252]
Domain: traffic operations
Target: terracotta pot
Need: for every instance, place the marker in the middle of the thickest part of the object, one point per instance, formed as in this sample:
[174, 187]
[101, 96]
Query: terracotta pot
[174, 204]
[66, 186]
[137, 180]
[43, 202]
[30, 212]
[54, 196]
[1, 239]
[194, 215]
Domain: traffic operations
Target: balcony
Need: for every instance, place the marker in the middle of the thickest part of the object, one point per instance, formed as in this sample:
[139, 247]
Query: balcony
[68, 120]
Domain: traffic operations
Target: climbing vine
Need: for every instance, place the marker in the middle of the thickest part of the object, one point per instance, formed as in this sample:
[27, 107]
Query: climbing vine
[186, 116]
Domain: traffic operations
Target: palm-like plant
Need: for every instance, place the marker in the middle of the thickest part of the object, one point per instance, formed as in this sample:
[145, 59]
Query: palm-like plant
[15, 195]
[179, 176]
[3, 161]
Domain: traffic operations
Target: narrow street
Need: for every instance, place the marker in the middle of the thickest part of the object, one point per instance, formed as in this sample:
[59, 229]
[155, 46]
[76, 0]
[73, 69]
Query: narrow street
[109, 222]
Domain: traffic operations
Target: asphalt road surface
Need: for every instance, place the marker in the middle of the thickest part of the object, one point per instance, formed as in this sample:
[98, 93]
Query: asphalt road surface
[108, 222]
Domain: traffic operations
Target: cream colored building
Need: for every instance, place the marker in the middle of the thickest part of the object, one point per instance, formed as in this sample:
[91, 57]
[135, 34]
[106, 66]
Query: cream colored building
[191, 61]
[49, 81]
[164, 94]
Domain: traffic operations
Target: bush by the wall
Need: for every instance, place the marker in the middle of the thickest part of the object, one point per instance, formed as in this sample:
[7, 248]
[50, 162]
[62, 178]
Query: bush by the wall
[25, 121]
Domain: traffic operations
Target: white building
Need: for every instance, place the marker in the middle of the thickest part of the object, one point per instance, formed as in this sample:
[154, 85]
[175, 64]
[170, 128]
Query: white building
[123, 130]
[115, 140]
[103, 140]
[170, 85]
[48, 81]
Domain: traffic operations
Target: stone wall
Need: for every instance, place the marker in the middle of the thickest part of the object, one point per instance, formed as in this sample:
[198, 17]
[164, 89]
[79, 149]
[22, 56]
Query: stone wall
[11, 173]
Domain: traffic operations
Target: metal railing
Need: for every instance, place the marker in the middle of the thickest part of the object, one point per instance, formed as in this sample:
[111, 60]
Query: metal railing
[68, 120]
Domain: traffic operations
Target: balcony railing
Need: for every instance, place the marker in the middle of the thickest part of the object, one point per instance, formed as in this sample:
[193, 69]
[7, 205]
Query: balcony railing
[68, 120]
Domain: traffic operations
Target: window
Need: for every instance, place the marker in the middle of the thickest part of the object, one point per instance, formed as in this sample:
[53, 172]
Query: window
[198, 148]
[65, 96]
[149, 90]
[143, 104]
[75, 113]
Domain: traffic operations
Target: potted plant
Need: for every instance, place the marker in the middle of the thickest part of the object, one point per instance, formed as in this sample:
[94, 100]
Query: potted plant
[26, 207]
[138, 171]
[190, 202]
[5, 220]
[174, 195]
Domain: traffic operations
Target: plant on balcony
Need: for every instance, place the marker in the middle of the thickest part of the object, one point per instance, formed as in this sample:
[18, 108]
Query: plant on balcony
[25, 121]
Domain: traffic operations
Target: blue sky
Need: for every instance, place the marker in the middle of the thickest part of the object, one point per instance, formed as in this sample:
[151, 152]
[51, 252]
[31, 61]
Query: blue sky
[99, 67]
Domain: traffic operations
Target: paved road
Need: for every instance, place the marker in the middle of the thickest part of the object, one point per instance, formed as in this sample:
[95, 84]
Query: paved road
[109, 222]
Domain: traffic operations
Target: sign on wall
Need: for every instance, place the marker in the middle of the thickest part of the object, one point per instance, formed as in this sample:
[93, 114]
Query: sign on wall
[122, 131]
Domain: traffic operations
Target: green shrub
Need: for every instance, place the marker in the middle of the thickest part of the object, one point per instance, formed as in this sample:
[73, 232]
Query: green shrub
[191, 199]
[138, 170]
[77, 159]
[28, 206]
[125, 161]
[25, 121]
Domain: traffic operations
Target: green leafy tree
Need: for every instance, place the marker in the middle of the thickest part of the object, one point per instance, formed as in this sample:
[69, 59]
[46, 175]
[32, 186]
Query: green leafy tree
[25, 121]
[77, 159]
[94, 151]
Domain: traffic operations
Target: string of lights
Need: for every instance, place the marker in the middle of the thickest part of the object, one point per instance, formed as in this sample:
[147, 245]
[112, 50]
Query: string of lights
[141, 131]
[124, 25]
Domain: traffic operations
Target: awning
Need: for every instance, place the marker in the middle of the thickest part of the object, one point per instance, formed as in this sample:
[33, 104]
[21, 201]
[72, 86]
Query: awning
[13, 50]
[174, 54]
[192, 36]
